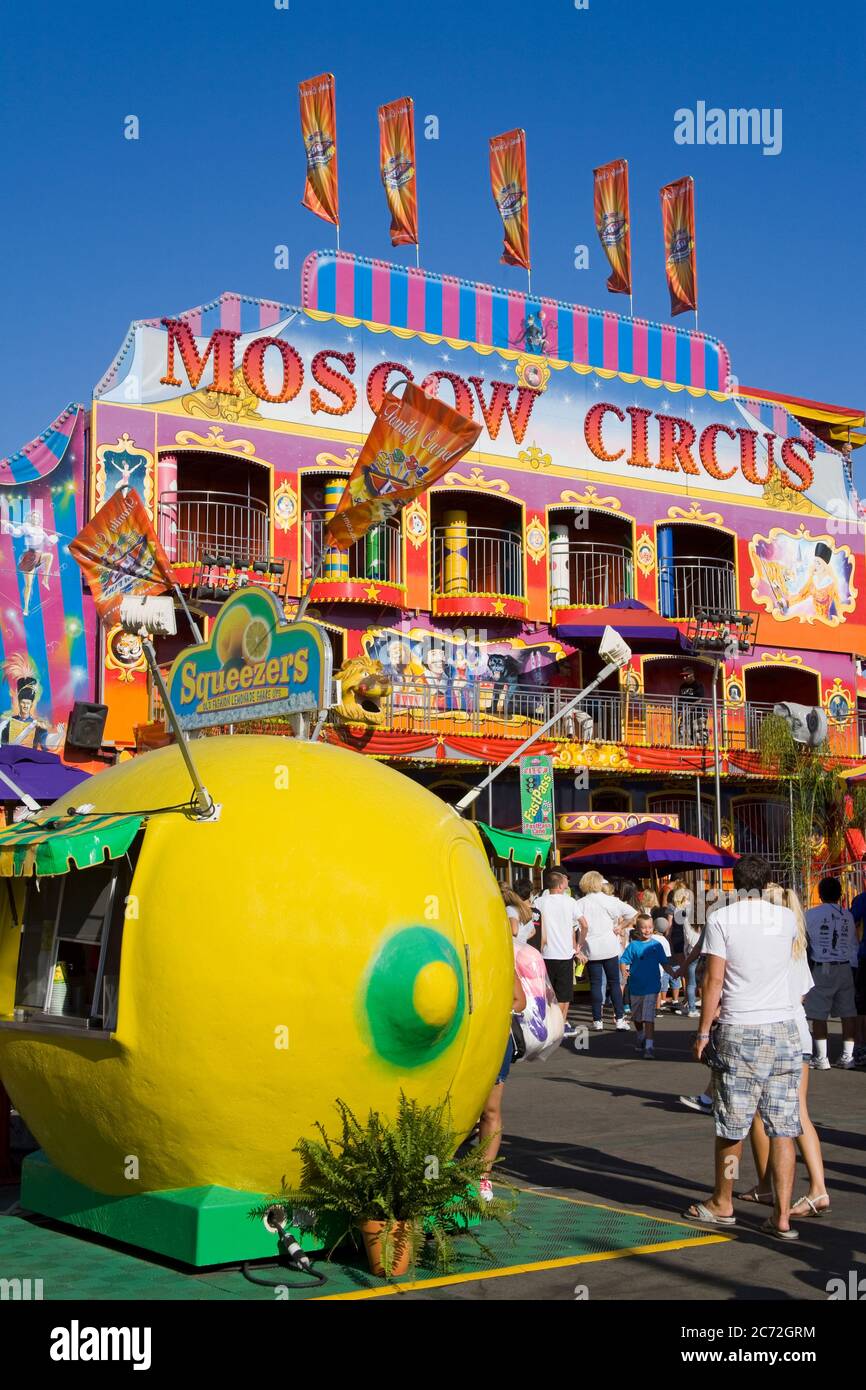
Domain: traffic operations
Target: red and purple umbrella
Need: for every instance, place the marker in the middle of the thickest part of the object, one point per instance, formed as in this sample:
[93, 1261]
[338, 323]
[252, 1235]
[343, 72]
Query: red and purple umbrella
[651, 846]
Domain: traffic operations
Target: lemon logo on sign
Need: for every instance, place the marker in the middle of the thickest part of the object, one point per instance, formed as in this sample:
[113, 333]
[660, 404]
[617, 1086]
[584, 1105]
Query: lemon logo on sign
[254, 665]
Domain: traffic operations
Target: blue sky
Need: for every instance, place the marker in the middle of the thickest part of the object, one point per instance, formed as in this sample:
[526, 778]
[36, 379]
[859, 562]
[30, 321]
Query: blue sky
[99, 230]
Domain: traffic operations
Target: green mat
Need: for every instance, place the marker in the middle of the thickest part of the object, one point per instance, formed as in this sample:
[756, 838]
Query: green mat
[553, 1231]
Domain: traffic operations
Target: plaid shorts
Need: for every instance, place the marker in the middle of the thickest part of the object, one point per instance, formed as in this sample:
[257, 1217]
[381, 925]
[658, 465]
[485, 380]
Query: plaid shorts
[643, 1008]
[759, 1070]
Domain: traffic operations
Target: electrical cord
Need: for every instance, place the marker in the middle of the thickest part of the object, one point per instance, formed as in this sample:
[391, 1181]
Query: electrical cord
[290, 1254]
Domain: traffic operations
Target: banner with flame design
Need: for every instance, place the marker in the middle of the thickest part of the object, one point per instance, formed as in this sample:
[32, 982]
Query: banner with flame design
[613, 223]
[397, 168]
[508, 182]
[414, 440]
[319, 133]
[678, 221]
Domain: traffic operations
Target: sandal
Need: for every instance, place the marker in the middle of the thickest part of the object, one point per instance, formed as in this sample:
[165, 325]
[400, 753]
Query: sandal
[771, 1229]
[762, 1199]
[698, 1212]
[811, 1202]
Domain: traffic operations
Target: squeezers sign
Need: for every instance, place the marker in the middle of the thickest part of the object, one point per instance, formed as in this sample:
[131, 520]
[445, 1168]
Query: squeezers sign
[253, 666]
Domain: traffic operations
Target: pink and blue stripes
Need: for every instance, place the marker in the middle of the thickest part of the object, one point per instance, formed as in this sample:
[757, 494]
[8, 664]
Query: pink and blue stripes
[402, 297]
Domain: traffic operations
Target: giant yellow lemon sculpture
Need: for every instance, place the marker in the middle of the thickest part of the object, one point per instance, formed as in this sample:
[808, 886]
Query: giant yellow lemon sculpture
[336, 932]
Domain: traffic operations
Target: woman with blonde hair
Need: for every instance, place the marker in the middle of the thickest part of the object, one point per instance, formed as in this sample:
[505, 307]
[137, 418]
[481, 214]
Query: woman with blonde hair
[815, 1202]
[519, 915]
[598, 943]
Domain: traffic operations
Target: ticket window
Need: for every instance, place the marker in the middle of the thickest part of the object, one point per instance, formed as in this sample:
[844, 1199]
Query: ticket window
[69, 959]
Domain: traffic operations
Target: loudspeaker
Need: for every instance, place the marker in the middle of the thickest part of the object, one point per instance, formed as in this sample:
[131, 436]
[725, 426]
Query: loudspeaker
[86, 725]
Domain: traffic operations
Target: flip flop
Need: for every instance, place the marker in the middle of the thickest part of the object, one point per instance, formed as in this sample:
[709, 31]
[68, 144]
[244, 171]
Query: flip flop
[761, 1199]
[770, 1228]
[816, 1210]
[708, 1218]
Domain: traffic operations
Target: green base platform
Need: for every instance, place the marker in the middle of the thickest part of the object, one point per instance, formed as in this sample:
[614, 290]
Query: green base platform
[197, 1226]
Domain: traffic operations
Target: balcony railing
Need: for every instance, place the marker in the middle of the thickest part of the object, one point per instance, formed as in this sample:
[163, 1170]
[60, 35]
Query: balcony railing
[477, 561]
[222, 523]
[588, 574]
[487, 708]
[376, 557]
[696, 581]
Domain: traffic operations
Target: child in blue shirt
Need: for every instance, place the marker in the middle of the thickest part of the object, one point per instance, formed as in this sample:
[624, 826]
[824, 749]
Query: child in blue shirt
[643, 962]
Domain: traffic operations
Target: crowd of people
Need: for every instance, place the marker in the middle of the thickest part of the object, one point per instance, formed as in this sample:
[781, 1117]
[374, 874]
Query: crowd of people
[762, 976]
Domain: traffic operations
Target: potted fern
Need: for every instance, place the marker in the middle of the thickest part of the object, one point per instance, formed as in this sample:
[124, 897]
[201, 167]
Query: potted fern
[395, 1181]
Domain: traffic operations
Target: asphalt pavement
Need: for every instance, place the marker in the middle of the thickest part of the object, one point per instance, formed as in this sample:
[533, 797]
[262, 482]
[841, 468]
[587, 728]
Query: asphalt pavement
[604, 1125]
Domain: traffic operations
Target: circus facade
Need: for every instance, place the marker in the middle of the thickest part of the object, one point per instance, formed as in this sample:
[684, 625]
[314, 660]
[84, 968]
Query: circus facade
[615, 468]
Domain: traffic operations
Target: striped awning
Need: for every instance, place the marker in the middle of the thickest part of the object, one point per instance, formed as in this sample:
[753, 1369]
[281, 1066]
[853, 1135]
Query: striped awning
[54, 847]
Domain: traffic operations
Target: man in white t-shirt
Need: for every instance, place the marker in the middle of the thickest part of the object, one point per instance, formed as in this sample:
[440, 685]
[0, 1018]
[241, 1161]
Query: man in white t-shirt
[757, 1058]
[559, 922]
[833, 950]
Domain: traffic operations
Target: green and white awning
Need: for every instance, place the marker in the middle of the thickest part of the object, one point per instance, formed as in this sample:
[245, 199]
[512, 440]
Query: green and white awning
[54, 847]
[520, 849]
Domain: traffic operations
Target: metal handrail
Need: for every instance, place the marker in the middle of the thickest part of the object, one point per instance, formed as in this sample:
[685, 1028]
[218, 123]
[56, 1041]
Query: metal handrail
[224, 523]
[492, 563]
[589, 574]
[377, 557]
[484, 707]
[696, 581]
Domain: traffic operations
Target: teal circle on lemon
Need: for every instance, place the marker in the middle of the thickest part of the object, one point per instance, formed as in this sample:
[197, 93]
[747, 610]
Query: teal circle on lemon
[414, 998]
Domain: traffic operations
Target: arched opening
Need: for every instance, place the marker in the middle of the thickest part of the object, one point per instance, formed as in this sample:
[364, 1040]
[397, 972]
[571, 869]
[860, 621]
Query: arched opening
[610, 799]
[214, 503]
[477, 544]
[696, 569]
[674, 803]
[591, 558]
[377, 556]
[762, 827]
[678, 701]
[766, 685]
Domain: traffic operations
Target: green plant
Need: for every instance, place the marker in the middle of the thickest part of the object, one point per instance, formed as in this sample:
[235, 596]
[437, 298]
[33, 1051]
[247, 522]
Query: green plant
[817, 796]
[395, 1170]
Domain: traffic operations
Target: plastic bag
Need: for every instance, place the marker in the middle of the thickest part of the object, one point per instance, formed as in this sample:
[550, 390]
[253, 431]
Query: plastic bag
[541, 1022]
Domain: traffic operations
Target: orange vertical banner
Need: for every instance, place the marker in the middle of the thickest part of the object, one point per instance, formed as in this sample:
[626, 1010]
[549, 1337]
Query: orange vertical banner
[414, 439]
[508, 182]
[613, 223]
[678, 222]
[319, 133]
[397, 167]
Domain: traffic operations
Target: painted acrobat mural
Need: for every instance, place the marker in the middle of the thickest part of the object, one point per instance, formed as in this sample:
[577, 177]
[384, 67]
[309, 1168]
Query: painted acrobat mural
[37, 557]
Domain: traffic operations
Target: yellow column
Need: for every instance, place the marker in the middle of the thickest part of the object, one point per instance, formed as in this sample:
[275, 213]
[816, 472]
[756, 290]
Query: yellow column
[456, 555]
[336, 563]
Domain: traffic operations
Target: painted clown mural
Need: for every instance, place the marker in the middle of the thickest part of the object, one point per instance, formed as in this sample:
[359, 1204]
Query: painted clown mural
[798, 576]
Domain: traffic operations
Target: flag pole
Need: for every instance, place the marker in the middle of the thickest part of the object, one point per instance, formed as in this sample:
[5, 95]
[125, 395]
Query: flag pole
[196, 631]
[528, 280]
[337, 225]
[314, 576]
[417, 256]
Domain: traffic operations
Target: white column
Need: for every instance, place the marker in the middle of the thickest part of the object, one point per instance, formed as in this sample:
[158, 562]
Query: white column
[560, 567]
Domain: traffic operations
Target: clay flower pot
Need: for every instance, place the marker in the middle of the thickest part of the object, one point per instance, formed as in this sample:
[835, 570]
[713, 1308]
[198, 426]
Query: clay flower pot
[372, 1232]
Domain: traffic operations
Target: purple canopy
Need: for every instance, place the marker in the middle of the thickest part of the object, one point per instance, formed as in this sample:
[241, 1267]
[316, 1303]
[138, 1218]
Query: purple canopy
[37, 773]
[642, 628]
[651, 845]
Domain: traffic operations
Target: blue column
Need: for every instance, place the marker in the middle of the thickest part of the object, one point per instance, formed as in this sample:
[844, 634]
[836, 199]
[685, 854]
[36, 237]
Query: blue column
[665, 560]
